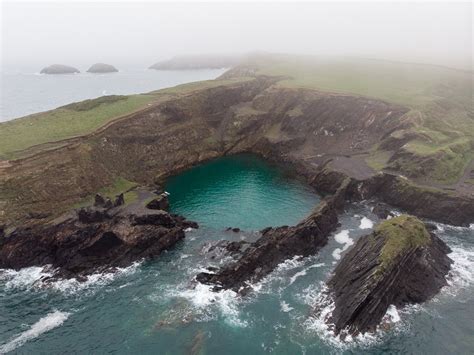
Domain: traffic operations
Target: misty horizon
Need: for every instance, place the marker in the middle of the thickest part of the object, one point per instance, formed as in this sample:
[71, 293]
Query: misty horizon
[137, 35]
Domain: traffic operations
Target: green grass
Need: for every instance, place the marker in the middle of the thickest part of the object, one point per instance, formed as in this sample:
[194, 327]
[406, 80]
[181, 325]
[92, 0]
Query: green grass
[404, 83]
[439, 99]
[120, 185]
[400, 233]
[65, 122]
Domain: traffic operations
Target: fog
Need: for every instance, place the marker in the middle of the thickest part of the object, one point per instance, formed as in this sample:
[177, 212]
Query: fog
[137, 34]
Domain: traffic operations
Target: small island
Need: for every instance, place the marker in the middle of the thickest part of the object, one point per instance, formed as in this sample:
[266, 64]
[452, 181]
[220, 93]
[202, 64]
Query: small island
[59, 69]
[102, 68]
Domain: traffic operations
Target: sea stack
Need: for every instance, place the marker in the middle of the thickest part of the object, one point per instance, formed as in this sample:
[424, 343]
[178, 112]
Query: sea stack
[102, 68]
[400, 263]
[59, 69]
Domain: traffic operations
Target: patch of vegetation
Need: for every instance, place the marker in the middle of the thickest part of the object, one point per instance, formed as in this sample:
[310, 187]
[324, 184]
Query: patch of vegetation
[378, 160]
[87, 105]
[400, 234]
[63, 123]
[120, 185]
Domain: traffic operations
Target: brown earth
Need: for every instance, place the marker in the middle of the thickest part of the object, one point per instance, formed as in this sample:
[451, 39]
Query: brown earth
[300, 127]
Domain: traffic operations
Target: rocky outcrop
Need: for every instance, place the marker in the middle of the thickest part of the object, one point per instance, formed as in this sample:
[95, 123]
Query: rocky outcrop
[396, 191]
[279, 244]
[93, 239]
[102, 68]
[59, 69]
[400, 263]
[159, 203]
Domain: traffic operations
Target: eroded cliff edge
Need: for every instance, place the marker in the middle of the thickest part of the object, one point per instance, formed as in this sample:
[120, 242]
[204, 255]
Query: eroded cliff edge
[306, 128]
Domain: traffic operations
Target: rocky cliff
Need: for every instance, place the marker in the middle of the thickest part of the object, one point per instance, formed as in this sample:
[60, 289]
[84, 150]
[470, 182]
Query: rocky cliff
[301, 127]
[400, 263]
[92, 239]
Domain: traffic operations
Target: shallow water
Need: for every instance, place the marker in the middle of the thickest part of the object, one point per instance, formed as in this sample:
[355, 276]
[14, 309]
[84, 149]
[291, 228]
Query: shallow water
[25, 93]
[155, 307]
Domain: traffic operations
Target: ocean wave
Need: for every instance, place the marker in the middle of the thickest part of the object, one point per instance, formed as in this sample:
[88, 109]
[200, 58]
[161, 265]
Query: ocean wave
[203, 299]
[320, 300]
[342, 238]
[45, 324]
[39, 278]
[366, 223]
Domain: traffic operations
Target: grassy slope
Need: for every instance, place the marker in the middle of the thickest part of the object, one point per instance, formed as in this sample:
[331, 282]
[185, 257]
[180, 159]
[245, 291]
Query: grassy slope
[81, 118]
[65, 122]
[440, 100]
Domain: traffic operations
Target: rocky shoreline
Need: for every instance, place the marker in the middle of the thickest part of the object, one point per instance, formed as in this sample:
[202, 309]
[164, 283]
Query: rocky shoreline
[93, 239]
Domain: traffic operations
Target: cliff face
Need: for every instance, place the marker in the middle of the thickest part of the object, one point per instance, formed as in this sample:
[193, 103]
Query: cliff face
[92, 239]
[400, 263]
[295, 126]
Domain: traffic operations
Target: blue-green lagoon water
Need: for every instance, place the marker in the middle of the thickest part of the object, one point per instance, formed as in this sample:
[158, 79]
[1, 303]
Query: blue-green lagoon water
[157, 308]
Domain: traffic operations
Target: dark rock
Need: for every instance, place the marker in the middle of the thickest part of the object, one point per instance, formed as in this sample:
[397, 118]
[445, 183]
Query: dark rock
[95, 239]
[2, 231]
[99, 200]
[159, 203]
[382, 211]
[278, 244]
[399, 263]
[92, 215]
[119, 200]
[235, 230]
[59, 69]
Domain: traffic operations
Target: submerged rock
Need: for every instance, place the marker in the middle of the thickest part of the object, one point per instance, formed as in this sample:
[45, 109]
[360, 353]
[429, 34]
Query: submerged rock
[399, 263]
[279, 244]
[102, 68]
[93, 239]
[59, 69]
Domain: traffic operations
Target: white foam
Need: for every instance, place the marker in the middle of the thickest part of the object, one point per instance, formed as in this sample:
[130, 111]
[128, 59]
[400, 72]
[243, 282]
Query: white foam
[392, 314]
[285, 307]
[202, 297]
[366, 223]
[342, 238]
[461, 275]
[45, 324]
[23, 278]
[189, 229]
[32, 277]
[303, 272]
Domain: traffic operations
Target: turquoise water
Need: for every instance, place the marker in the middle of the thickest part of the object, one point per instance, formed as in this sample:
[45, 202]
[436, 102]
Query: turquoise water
[157, 308]
[240, 191]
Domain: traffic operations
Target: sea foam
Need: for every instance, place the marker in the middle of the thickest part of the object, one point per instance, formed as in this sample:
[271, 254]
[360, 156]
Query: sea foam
[45, 324]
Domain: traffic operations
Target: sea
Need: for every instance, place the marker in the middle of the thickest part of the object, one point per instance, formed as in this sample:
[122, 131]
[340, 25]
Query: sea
[157, 307]
[24, 92]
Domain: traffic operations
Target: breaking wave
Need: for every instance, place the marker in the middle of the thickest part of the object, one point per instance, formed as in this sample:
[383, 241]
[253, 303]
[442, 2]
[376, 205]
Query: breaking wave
[45, 324]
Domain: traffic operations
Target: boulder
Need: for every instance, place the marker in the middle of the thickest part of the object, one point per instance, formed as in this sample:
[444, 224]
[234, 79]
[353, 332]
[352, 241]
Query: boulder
[159, 203]
[59, 69]
[400, 263]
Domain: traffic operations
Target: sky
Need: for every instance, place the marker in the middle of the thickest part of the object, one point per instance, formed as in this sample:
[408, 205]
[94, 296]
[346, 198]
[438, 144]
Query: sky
[137, 34]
